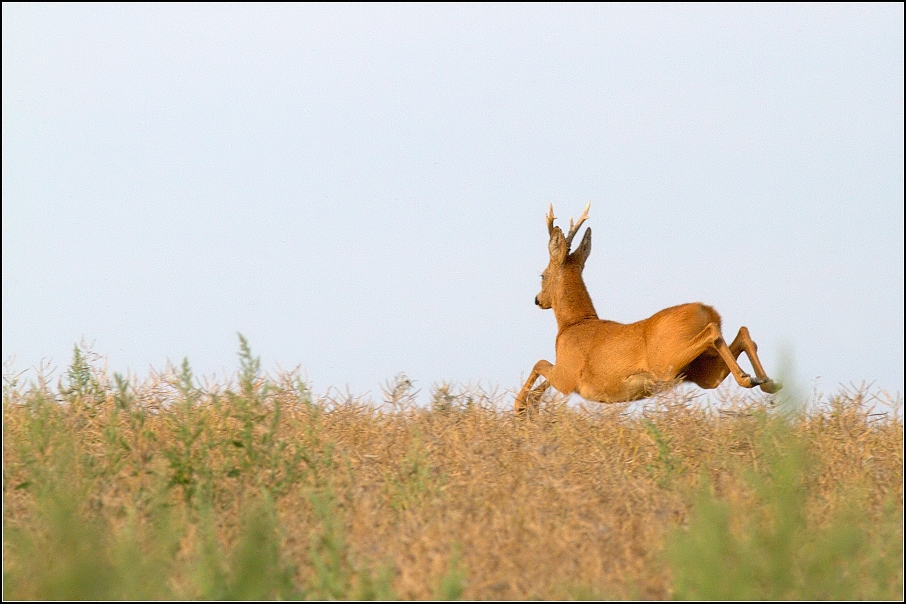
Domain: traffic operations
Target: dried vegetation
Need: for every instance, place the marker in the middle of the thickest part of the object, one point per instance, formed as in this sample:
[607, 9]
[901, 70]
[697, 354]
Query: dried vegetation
[259, 489]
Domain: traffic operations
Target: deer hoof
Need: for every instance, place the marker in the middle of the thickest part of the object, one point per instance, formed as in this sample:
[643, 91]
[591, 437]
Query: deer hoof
[747, 381]
[770, 386]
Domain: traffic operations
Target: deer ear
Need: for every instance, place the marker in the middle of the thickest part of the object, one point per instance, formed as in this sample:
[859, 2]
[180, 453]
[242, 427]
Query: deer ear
[584, 249]
[557, 246]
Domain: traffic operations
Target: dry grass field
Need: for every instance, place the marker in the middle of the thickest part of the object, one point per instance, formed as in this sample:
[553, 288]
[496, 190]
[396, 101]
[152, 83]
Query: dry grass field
[114, 489]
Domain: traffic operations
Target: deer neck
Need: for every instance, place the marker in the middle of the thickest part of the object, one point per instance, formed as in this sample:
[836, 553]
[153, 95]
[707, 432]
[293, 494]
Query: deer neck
[573, 304]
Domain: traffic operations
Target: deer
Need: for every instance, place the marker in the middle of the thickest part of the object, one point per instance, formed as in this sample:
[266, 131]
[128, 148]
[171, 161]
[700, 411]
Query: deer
[609, 362]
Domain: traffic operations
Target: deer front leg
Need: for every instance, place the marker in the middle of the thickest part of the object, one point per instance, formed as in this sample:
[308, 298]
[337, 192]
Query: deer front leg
[553, 375]
[533, 402]
[522, 399]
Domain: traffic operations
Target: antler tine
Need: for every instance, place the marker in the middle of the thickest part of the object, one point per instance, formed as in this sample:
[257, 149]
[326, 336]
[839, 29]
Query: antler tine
[573, 229]
[550, 220]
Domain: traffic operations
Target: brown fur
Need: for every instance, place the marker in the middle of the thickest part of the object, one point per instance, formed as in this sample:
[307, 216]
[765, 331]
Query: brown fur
[610, 362]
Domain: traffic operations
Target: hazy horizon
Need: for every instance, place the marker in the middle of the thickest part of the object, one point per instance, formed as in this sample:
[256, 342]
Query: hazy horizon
[361, 190]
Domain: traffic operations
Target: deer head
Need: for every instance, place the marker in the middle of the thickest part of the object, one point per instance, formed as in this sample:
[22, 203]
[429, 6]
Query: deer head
[561, 281]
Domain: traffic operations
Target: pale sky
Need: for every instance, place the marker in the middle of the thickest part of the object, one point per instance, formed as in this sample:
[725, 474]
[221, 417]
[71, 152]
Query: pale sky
[361, 190]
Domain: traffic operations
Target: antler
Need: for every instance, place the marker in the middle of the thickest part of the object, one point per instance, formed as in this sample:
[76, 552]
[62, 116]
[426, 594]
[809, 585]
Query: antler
[572, 229]
[550, 220]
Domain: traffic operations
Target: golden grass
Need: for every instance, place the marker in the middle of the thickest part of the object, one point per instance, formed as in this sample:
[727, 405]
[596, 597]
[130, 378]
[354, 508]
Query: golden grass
[346, 498]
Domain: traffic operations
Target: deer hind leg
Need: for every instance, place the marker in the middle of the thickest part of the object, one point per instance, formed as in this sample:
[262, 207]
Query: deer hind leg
[708, 360]
[744, 341]
[710, 368]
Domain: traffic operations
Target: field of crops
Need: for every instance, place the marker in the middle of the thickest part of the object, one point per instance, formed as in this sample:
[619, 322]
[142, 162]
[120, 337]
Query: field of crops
[256, 488]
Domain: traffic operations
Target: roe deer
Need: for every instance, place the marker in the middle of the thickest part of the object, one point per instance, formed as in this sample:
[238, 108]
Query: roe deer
[610, 362]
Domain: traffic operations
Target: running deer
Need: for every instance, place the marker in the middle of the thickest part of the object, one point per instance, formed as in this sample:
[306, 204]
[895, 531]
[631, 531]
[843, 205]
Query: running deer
[610, 362]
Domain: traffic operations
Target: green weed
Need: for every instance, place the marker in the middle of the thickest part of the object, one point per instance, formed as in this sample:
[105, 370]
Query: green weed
[767, 548]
